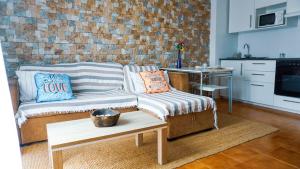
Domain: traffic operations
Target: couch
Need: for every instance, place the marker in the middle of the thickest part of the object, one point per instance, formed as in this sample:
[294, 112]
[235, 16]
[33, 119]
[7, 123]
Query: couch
[95, 85]
[107, 85]
[185, 113]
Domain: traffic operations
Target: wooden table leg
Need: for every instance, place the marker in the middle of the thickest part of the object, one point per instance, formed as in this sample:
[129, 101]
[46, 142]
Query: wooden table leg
[162, 149]
[139, 140]
[56, 159]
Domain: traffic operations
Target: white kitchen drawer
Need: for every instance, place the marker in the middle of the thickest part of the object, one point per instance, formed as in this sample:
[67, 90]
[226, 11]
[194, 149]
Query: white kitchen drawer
[289, 103]
[260, 92]
[259, 76]
[260, 65]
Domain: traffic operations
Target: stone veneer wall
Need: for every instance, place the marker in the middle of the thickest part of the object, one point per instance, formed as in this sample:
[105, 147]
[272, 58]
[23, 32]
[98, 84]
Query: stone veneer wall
[124, 31]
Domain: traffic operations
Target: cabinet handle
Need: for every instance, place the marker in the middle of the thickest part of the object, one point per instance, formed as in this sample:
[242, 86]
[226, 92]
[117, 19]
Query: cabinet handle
[258, 63]
[241, 69]
[291, 101]
[255, 74]
[257, 85]
[250, 21]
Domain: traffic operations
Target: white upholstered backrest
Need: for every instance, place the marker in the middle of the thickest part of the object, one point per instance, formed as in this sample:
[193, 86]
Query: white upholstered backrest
[86, 76]
[128, 83]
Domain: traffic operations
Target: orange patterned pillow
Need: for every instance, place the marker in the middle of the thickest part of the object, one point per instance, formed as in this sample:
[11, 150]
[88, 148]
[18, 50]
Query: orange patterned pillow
[155, 81]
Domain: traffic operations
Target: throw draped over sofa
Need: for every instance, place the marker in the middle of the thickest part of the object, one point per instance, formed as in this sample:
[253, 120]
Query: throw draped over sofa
[108, 85]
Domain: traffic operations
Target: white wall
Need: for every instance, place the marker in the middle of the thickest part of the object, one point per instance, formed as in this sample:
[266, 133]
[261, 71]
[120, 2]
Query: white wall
[10, 154]
[222, 44]
[270, 43]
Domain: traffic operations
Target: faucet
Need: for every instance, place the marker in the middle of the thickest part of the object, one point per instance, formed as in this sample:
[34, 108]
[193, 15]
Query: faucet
[248, 55]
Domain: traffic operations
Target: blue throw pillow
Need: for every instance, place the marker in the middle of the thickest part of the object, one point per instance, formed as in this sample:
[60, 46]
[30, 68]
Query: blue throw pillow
[53, 87]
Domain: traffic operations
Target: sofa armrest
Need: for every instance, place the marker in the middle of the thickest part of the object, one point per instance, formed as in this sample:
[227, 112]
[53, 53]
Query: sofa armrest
[14, 92]
[180, 81]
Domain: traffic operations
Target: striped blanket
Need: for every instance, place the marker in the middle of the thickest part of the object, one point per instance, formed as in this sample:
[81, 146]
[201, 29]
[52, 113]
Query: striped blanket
[83, 102]
[168, 103]
[86, 76]
[176, 103]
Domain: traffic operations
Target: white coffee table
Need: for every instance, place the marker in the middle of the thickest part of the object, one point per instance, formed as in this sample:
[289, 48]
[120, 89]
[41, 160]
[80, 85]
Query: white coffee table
[71, 134]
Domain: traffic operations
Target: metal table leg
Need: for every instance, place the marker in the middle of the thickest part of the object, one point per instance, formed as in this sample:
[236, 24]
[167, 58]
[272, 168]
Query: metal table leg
[230, 93]
[201, 83]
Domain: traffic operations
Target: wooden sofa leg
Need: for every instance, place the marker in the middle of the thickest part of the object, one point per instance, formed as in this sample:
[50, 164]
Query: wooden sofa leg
[139, 140]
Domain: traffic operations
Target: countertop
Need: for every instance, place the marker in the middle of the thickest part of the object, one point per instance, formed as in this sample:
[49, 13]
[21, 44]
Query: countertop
[260, 59]
[249, 58]
[201, 70]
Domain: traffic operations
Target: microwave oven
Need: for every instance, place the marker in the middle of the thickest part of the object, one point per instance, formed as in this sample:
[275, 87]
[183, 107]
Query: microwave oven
[271, 19]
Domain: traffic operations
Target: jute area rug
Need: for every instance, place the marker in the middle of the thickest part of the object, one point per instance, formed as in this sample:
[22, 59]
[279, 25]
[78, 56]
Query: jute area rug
[124, 154]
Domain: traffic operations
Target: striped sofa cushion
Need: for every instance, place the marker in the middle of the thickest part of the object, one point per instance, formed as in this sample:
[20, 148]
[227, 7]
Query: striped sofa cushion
[86, 76]
[128, 83]
[27, 87]
[82, 102]
[176, 103]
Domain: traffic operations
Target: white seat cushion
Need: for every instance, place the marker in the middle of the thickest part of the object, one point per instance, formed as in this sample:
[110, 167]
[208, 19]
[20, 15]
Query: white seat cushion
[82, 102]
[176, 103]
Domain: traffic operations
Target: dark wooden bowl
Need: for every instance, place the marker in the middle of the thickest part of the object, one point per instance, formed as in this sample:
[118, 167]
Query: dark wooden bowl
[105, 117]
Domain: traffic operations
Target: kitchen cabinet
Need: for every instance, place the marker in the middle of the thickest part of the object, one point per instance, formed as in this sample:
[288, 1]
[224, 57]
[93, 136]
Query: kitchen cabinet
[293, 8]
[266, 3]
[238, 81]
[290, 103]
[253, 81]
[236, 65]
[241, 15]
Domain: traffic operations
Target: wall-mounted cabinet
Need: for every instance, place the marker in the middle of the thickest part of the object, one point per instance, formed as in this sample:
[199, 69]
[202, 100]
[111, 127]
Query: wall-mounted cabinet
[241, 15]
[266, 3]
[293, 8]
[244, 15]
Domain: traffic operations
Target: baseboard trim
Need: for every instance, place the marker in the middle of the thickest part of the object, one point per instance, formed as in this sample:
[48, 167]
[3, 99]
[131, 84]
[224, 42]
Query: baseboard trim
[276, 110]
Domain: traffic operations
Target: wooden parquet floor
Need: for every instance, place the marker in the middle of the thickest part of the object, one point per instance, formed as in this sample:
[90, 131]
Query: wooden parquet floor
[280, 150]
